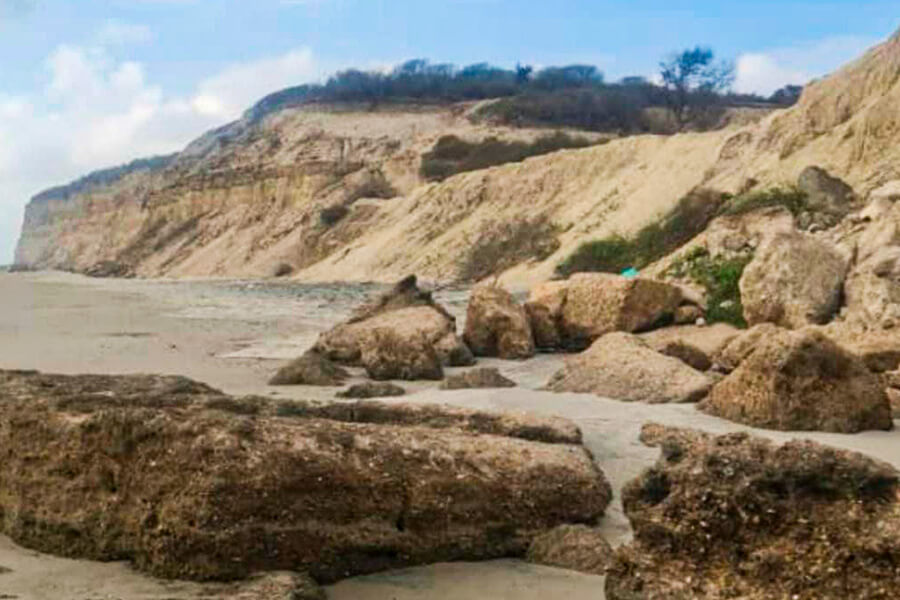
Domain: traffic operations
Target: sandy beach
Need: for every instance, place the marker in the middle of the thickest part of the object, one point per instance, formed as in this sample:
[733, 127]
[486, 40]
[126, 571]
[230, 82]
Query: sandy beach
[233, 335]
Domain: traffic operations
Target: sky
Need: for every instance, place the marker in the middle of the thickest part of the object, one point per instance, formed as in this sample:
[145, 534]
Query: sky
[87, 84]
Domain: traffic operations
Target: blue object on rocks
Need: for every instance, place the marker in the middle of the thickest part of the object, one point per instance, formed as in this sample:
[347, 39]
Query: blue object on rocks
[630, 273]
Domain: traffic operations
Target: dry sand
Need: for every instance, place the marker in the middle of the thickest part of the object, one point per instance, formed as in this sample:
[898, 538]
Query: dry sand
[233, 335]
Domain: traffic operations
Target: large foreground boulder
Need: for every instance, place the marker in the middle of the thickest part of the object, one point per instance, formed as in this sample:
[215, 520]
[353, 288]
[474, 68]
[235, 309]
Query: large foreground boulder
[623, 367]
[403, 334]
[574, 547]
[496, 325]
[793, 280]
[801, 381]
[575, 313]
[736, 516]
[190, 483]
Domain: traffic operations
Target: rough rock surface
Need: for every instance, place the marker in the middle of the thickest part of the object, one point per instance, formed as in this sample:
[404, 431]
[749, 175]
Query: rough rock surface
[801, 381]
[623, 367]
[190, 483]
[575, 313]
[793, 280]
[709, 339]
[487, 377]
[873, 301]
[496, 325]
[742, 345]
[310, 369]
[736, 516]
[544, 308]
[404, 334]
[380, 389]
[879, 349]
[275, 586]
[574, 547]
[825, 193]
[687, 353]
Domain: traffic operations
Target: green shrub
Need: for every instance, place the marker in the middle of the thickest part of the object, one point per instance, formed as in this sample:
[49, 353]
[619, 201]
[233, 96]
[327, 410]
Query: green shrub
[791, 198]
[452, 155]
[614, 254]
[721, 278]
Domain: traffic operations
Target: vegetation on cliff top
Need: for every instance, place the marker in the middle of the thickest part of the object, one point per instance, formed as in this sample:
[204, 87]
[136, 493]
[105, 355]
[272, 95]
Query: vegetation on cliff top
[104, 177]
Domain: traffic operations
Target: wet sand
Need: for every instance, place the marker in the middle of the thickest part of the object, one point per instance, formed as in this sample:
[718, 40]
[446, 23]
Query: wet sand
[233, 335]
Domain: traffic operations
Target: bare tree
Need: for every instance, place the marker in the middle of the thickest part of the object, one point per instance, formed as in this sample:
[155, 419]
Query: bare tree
[693, 81]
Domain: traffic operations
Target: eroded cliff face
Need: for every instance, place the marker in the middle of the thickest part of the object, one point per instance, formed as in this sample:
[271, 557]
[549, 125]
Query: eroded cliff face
[249, 198]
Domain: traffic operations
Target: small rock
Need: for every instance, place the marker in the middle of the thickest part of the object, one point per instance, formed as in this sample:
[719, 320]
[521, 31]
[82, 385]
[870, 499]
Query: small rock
[574, 547]
[381, 389]
[477, 378]
[687, 314]
[310, 369]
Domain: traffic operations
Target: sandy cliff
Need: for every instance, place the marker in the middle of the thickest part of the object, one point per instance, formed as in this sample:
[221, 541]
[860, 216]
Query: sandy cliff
[244, 199]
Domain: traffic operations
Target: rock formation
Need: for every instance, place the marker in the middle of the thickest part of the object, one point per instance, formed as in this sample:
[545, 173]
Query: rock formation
[575, 313]
[798, 381]
[496, 325]
[404, 334]
[621, 366]
[310, 369]
[574, 547]
[736, 516]
[477, 378]
[187, 482]
[370, 389]
[793, 280]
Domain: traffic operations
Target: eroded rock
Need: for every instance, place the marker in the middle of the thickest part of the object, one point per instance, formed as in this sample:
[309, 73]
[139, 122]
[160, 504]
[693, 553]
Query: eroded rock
[793, 280]
[496, 325]
[623, 367]
[487, 377]
[574, 313]
[736, 516]
[189, 483]
[403, 334]
[801, 381]
[574, 547]
[370, 389]
[310, 369]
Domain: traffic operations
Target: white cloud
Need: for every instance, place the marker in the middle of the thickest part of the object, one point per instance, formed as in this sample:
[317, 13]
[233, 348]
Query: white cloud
[764, 72]
[235, 89]
[95, 111]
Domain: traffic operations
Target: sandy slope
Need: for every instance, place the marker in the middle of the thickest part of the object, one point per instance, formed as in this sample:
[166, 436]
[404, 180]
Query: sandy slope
[69, 324]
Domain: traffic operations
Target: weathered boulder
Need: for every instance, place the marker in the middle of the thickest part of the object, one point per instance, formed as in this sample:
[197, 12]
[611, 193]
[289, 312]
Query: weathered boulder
[740, 235]
[801, 381]
[742, 345]
[370, 389]
[397, 337]
[623, 367]
[399, 351]
[879, 349]
[687, 314]
[190, 483]
[496, 325]
[486, 377]
[793, 280]
[737, 516]
[310, 369]
[574, 547]
[600, 303]
[873, 301]
[893, 395]
[109, 268]
[574, 313]
[824, 193]
[271, 586]
[544, 308]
